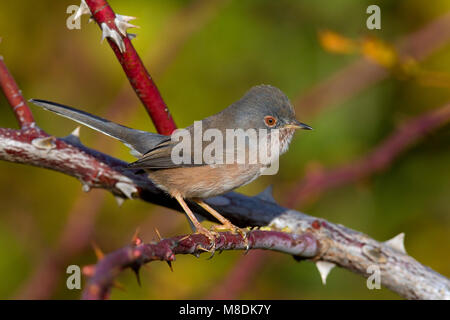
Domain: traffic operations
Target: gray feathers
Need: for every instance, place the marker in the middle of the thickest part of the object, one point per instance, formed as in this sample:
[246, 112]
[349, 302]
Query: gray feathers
[139, 140]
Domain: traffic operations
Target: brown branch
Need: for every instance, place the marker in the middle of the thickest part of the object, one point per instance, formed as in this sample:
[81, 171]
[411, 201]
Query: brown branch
[134, 256]
[378, 160]
[135, 70]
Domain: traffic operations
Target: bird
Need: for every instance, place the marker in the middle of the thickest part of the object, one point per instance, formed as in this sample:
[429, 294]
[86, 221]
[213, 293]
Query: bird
[263, 107]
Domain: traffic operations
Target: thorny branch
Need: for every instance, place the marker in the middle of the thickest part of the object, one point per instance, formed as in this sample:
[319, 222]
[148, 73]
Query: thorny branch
[328, 244]
[114, 29]
[138, 253]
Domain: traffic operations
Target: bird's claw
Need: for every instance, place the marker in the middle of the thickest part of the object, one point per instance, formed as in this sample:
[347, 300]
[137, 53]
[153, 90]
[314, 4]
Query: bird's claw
[211, 235]
[235, 230]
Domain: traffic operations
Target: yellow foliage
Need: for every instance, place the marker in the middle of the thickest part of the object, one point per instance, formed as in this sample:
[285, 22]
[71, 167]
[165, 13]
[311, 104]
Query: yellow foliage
[380, 52]
[336, 43]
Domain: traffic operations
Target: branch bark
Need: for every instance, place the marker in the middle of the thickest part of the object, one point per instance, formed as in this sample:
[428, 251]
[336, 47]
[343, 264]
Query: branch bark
[137, 254]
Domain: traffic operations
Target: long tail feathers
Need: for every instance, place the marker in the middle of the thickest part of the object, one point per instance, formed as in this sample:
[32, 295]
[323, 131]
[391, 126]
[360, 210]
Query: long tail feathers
[141, 141]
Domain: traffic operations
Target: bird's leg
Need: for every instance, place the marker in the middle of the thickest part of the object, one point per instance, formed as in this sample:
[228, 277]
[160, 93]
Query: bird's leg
[226, 224]
[198, 227]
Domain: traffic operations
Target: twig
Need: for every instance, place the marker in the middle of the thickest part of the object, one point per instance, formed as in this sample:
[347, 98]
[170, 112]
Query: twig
[131, 63]
[379, 159]
[135, 256]
[14, 96]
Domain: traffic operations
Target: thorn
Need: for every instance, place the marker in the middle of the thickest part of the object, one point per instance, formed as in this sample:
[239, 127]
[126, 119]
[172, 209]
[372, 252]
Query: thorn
[158, 234]
[184, 238]
[74, 136]
[46, 143]
[127, 189]
[212, 251]
[397, 243]
[85, 187]
[107, 32]
[170, 265]
[98, 252]
[122, 23]
[82, 9]
[125, 18]
[324, 268]
[76, 132]
[135, 239]
[131, 36]
[135, 269]
[119, 200]
[199, 247]
[267, 195]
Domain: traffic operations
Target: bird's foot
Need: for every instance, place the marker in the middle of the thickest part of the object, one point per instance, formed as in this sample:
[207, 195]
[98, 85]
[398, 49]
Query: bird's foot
[211, 235]
[235, 230]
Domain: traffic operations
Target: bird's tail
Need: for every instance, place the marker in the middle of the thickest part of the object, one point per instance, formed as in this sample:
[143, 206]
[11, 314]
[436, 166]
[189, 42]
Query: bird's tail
[141, 141]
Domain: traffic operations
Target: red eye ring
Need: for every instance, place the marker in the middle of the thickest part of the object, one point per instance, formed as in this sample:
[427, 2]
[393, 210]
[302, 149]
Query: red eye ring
[270, 121]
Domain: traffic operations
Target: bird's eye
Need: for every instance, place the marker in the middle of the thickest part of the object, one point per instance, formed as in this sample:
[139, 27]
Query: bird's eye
[270, 121]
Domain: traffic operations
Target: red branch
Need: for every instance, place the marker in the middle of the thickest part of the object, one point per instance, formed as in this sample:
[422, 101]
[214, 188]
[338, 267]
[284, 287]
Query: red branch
[137, 74]
[134, 256]
[378, 160]
[15, 99]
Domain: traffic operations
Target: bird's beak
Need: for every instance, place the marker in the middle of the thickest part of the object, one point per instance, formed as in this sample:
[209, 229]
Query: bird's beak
[298, 125]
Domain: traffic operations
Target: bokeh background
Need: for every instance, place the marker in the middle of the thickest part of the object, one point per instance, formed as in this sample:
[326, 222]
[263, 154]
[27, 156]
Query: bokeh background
[203, 55]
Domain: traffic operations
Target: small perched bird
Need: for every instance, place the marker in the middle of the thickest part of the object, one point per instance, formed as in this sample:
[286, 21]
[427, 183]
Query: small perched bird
[261, 108]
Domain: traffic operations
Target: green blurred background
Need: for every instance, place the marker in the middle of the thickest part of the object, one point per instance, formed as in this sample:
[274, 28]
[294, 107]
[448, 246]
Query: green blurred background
[203, 55]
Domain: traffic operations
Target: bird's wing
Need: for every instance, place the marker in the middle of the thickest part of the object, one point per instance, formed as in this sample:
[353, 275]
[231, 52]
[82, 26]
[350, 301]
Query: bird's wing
[164, 156]
[161, 158]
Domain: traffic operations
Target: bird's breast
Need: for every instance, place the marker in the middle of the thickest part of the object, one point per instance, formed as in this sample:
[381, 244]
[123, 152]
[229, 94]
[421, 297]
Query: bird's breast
[204, 181]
